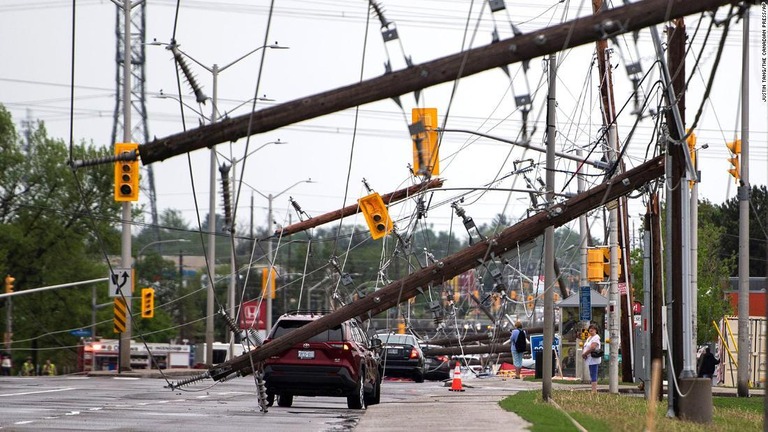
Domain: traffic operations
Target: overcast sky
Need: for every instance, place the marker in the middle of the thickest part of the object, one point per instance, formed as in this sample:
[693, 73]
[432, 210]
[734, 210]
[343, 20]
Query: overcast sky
[329, 49]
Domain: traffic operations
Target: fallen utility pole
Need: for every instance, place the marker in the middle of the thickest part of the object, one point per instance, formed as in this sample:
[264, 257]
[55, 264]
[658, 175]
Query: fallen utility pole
[445, 269]
[497, 348]
[482, 338]
[581, 31]
[349, 210]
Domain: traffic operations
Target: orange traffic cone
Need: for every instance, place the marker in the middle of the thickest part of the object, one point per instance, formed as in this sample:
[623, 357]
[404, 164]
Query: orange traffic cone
[456, 384]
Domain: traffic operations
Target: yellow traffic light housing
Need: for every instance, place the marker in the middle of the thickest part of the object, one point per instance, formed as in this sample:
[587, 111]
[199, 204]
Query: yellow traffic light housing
[9, 284]
[126, 174]
[529, 302]
[147, 302]
[376, 215]
[426, 160]
[735, 148]
[595, 265]
[268, 278]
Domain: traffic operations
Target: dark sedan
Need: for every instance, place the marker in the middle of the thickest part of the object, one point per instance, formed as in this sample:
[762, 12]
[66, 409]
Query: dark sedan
[437, 367]
[402, 356]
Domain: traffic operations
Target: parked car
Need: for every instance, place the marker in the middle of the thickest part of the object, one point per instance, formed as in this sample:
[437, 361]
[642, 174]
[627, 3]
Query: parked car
[402, 356]
[437, 367]
[341, 361]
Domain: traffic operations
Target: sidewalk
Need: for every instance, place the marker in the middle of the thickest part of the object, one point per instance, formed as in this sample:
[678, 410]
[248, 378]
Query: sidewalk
[476, 409]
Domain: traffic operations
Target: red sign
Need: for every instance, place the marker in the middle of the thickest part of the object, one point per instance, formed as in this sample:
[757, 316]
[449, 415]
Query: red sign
[637, 308]
[253, 315]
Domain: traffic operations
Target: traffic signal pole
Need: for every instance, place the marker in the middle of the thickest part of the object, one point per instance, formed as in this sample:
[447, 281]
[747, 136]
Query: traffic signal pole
[125, 255]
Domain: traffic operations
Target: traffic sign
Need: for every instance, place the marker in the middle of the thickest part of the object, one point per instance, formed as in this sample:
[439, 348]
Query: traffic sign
[80, 333]
[537, 344]
[122, 279]
[585, 303]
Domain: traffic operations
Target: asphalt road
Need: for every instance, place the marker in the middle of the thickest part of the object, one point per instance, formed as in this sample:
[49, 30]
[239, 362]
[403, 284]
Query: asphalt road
[113, 403]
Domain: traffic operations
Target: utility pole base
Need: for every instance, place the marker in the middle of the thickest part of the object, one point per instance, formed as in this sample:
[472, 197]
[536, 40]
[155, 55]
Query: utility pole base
[696, 406]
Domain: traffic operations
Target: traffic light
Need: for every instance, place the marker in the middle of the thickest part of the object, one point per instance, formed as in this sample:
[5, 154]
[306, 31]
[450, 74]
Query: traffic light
[529, 302]
[594, 265]
[268, 282]
[735, 148]
[147, 302]
[376, 215]
[426, 160]
[691, 140]
[9, 284]
[126, 174]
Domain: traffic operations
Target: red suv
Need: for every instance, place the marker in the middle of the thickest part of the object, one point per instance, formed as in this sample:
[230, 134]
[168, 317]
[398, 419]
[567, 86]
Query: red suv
[340, 361]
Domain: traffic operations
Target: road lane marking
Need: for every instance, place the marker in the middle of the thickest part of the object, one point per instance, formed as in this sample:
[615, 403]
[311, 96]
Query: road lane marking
[36, 392]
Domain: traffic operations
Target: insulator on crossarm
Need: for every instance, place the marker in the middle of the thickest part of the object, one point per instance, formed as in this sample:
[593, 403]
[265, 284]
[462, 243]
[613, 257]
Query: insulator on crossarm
[227, 196]
[200, 97]
[261, 388]
[188, 381]
[230, 322]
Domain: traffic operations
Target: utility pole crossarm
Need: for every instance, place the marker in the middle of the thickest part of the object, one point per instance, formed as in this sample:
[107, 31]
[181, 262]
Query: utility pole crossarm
[634, 16]
[445, 269]
[393, 197]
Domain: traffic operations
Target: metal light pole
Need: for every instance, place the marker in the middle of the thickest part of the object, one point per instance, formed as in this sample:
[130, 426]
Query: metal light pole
[125, 252]
[269, 198]
[215, 70]
[233, 273]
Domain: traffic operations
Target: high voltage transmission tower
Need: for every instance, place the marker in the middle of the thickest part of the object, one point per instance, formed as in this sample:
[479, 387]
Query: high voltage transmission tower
[140, 131]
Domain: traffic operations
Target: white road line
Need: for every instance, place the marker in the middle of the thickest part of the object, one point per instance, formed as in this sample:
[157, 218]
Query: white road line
[36, 392]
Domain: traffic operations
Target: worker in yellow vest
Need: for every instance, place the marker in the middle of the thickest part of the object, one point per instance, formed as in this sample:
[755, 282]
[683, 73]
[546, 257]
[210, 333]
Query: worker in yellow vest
[49, 369]
[28, 368]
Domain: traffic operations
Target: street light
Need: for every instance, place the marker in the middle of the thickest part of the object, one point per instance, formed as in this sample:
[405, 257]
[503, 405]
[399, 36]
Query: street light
[269, 198]
[233, 273]
[138, 255]
[214, 70]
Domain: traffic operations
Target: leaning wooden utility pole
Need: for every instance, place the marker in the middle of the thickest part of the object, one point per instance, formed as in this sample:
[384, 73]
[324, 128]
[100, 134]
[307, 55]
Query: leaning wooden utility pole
[389, 198]
[676, 54]
[445, 269]
[619, 318]
[634, 16]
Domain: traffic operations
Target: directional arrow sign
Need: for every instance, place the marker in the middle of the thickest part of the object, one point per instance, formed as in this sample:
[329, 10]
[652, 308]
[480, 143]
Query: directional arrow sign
[120, 279]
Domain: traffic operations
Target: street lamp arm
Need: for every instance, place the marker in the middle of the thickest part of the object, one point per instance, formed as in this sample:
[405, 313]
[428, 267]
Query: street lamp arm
[221, 69]
[309, 180]
[160, 241]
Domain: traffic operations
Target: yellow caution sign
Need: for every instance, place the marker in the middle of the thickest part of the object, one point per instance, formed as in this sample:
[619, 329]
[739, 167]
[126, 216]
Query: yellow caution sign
[120, 315]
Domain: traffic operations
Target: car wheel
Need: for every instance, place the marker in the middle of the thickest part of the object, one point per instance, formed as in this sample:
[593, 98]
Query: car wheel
[357, 399]
[418, 376]
[285, 401]
[375, 397]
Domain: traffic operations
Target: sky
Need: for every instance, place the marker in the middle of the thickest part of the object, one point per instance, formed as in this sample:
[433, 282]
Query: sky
[332, 44]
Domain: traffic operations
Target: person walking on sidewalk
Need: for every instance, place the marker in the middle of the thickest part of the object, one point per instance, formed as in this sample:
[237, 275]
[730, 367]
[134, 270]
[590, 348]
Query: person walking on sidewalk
[519, 342]
[592, 355]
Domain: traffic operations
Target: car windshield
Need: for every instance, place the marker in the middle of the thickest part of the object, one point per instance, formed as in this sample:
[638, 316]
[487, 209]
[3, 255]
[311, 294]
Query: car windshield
[284, 327]
[397, 339]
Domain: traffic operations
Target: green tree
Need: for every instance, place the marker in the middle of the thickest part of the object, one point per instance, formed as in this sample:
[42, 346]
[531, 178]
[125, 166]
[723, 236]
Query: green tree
[56, 226]
[727, 216]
